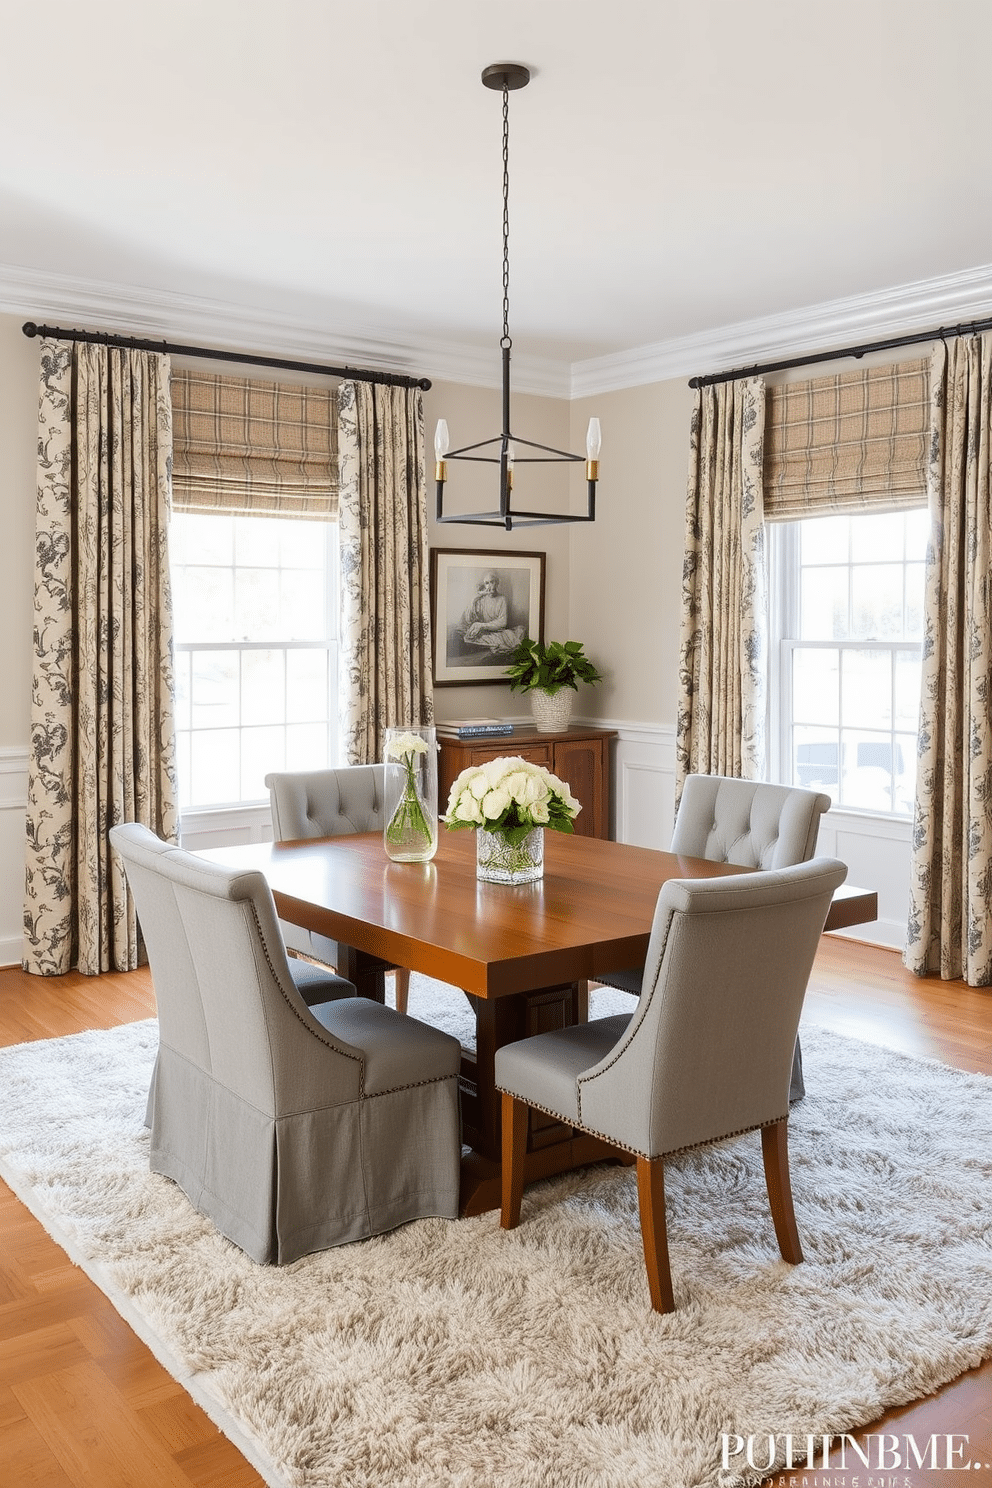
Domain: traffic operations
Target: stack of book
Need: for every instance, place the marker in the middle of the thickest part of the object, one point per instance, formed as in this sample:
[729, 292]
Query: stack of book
[474, 728]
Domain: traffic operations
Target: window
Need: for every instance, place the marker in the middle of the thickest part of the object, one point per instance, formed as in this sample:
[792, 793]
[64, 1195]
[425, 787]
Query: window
[256, 652]
[847, 620]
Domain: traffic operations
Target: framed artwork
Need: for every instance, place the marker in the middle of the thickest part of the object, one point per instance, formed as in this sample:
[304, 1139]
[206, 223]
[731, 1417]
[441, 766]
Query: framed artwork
[483, 603]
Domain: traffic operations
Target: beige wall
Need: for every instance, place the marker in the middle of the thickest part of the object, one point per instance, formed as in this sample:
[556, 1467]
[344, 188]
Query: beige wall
[625, 568]
[474, 414]
[18, 441]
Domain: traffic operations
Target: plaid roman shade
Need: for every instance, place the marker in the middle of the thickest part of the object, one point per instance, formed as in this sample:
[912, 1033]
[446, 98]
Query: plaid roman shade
[264, 449]
[846, 443]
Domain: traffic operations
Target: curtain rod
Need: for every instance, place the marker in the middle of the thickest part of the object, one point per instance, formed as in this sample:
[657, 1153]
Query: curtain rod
[134, 343]
[970, 328]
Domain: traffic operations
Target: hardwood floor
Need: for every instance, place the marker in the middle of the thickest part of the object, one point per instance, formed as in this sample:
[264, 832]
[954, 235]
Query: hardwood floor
[83, 1403]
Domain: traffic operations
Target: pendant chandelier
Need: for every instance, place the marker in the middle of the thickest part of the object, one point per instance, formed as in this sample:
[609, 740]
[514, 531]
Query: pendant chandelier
[508, 76]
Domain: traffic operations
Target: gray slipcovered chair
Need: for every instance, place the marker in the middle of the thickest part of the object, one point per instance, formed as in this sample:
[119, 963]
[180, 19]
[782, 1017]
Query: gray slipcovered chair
[747, 822]
[328, 803]
[706, 1055]
[292, 1128]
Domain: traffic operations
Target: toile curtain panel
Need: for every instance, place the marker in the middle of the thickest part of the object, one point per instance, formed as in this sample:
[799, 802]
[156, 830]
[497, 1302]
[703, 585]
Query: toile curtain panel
[721, 712]
[385, 664]
[950, 928]
[102, 732]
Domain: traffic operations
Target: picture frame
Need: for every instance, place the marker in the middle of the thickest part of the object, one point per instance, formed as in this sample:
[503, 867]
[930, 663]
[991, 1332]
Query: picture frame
[483, 602]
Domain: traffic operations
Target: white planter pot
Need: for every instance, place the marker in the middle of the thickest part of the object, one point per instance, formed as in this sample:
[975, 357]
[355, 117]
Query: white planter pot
[551, 711]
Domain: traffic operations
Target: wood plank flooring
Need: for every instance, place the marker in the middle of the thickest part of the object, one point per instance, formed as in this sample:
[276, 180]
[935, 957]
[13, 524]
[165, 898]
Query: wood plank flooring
[83, 1403]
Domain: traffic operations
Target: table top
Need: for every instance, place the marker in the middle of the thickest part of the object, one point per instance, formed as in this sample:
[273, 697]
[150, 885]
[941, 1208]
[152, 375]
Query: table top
[591, 913]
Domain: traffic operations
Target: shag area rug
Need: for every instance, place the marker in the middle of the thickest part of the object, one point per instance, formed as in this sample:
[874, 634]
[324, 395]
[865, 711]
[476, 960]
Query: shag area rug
[454, 1355]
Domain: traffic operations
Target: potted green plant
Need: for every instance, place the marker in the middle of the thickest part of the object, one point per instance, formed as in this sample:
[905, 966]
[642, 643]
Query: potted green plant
[550, 673]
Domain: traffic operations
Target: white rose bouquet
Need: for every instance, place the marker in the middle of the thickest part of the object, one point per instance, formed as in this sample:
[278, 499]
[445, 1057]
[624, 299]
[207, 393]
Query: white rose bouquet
[408, 822]
[510, 796]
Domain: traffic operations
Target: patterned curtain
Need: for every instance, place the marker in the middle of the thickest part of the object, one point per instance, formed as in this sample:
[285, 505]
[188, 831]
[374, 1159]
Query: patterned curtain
[950, 928]
[385, 663]
[102, 740]
[721, 713]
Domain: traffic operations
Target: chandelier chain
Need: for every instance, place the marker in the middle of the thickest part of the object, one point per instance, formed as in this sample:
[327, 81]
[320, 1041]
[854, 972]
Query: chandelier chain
[506, 217]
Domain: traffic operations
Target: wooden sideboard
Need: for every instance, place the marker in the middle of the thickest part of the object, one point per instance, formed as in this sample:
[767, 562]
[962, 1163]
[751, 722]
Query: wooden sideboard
[579, 756]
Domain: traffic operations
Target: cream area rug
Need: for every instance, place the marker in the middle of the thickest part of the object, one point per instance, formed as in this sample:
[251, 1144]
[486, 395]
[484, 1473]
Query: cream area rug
[454, 1355]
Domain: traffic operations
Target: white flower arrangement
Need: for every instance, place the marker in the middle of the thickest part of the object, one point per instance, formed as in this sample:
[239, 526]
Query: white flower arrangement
[408, 821]
[510, 796]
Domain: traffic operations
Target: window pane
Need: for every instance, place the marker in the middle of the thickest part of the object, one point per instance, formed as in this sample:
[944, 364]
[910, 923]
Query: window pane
[214, 689]
[866, 689]
[203, 539]
[815, 686]
[211, 779]
[875, 537]
[256, 542]
[300, 546]
[876, 590]
[867, 776]
[306, 746]
[256, 605]
[905, 777]
[262, 750]
[204, 603]
[915, 575]
[823, 604]
[815, 754]
[263, 684]
[303, 605]
[825, 540]
[182, 699]
[907, 690]
[306, 686]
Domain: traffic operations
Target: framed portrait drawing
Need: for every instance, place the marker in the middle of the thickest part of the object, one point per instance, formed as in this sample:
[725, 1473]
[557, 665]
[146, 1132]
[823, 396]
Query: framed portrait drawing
[483, 603]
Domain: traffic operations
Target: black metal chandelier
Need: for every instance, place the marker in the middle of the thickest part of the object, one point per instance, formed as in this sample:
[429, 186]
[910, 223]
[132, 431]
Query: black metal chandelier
[508, 76]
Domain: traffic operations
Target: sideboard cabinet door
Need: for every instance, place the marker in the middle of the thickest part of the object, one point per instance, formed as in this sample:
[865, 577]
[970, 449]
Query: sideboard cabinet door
[579, 756]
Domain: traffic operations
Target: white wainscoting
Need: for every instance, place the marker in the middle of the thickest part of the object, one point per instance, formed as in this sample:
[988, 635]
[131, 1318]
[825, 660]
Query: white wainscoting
[13, 806]
[876, 849]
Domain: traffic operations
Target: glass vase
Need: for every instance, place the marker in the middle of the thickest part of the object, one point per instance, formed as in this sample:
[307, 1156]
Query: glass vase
[409, 833]
[500, 861]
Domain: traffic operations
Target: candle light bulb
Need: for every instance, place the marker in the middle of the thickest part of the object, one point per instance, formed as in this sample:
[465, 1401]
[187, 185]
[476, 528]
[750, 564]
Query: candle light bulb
[511, 455]
[594, 440]
[441, 440]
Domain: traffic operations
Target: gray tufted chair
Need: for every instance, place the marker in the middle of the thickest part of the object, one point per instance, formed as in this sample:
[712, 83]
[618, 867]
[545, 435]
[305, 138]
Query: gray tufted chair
[292, 1128]
[705, 1056]
[747, 822]
[328, 803]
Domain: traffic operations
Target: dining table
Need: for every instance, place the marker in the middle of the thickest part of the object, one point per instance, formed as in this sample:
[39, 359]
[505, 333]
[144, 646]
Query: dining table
[522, 954]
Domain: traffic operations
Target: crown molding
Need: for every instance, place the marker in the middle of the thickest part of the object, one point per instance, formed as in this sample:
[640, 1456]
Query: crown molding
[900, 310]
[152, 313]
[134, 310]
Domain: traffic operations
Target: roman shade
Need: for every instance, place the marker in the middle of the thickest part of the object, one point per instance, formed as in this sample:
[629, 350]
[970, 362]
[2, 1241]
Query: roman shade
[266, 449]
[847, 443]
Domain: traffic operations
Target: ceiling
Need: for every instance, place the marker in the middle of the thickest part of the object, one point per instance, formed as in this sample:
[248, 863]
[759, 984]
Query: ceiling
[676, 165]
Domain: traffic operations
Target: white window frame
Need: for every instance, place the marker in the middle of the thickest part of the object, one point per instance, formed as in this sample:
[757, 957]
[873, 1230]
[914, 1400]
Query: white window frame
[239, 820]
[783, 555]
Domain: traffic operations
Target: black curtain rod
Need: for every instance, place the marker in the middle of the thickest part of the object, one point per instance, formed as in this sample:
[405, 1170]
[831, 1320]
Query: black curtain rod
[134, 343]
[758, 370]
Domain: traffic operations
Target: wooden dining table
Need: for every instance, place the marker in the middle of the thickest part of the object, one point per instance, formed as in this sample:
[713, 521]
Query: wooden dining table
[522, 954]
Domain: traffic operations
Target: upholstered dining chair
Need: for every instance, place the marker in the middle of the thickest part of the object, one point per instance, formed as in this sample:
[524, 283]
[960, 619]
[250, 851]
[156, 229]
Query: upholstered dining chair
[705, 1056]
[293, 1128]
[747, 822]
[328, 803]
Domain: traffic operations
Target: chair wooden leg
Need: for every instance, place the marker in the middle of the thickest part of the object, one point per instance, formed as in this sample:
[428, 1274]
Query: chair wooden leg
[515, 1117]
[654, 1232]
[775, 1153]
[401, 986]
